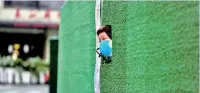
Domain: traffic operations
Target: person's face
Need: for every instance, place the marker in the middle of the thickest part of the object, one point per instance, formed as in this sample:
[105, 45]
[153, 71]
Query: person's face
[103, 36]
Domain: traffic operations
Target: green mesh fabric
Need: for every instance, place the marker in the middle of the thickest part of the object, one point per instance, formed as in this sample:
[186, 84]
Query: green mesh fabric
[155, 47]
[76, 59]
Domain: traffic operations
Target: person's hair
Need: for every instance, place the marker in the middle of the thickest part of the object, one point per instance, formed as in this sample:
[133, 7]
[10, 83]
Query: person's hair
[107, 29]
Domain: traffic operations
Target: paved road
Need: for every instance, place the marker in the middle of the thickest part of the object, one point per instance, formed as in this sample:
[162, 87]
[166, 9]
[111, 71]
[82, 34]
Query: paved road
[24, 89]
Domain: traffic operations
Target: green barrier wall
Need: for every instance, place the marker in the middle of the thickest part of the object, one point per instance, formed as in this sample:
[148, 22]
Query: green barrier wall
[76, 62]
[155, 47]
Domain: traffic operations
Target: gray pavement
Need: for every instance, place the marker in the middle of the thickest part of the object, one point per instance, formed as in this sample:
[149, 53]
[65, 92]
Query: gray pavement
[24, 89]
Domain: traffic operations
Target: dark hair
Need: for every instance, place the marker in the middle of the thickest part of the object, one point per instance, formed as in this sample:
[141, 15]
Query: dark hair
[107, 29]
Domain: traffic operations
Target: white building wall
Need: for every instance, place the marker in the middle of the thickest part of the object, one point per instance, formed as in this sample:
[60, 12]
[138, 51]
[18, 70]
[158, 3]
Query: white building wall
[1, 4]
[49, 34]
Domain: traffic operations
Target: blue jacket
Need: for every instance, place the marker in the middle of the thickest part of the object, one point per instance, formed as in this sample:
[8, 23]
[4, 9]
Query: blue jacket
[105, 49]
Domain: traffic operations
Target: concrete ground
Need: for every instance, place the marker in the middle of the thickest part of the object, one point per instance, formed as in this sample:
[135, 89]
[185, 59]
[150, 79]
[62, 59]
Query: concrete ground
[24, 89]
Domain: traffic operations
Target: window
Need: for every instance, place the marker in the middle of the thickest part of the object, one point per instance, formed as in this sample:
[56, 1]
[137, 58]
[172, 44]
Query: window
[21, 4]
[53, 5]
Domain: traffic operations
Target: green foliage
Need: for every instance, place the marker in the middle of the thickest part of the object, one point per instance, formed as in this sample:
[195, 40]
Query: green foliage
[35, 64]
[6, 61]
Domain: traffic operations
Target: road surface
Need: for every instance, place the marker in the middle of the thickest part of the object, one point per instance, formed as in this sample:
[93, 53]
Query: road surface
[24, 89]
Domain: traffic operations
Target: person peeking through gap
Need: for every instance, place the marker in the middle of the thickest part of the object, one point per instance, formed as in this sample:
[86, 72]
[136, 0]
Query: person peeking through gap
[105, 36]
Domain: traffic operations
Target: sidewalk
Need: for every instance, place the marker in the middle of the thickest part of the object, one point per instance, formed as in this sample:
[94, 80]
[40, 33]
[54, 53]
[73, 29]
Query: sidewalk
[24, 89]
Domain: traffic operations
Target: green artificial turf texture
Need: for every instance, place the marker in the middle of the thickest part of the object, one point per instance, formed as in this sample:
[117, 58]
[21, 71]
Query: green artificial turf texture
[77, 42]
[155, 47]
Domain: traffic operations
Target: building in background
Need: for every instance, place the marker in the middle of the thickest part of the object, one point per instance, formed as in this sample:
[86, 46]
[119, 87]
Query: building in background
[29, 24]
[26, 28]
